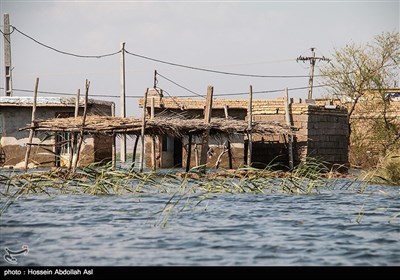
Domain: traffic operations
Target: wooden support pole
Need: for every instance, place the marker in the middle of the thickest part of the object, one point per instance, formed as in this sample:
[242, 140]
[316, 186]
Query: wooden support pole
[206, 134]
[196, 154]
[226, 107]
[153, 138]
[142, 132]
[228, 143]
[81, 135]
[250, 126]
[188, 153]
[229, 148]
[114, 144]
[134, 151]
[289, 123]
[78, 96]
[31, 130]
[73, 134]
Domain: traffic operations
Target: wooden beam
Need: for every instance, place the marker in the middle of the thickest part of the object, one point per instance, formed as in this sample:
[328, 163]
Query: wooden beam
[228, 146]
[250, 126]
[189, 152]
[114, 142]
[78, 95]
[153, 138]
[228, 143]
[134, 152]
[142, 131]
[206, 134]
[226, 107]
[74, 135]
[81, 135]
[289, 123]
[31, 130]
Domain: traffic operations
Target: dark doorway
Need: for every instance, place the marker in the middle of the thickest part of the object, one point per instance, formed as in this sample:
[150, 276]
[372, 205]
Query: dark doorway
[177, 152]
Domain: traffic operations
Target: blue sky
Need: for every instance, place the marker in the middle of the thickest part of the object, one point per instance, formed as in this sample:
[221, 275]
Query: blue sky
[260, 37]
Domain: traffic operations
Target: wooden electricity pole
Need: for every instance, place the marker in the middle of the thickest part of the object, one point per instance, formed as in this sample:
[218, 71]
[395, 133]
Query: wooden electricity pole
[123, 103]
[312, 60]
[7, 57]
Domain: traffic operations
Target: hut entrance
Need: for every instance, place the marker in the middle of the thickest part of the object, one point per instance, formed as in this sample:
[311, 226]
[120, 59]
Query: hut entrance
[171, 155]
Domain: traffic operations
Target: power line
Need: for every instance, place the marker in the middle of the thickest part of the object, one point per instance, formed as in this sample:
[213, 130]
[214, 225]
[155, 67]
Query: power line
[62, 52]
[269, 91]
[74, 94]
[215, 71]
[173, 98]
[6, 34]
[175, 83]
[157, 60]
[181, 96]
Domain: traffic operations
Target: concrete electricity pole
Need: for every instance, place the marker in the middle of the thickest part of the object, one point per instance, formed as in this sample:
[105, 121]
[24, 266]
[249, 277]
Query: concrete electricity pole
[7, 57]
[312, 60]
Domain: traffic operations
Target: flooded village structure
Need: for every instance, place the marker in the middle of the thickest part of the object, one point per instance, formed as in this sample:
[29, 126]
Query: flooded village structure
[283, 130]
[48, 149]
[318, 130]
[175, 130]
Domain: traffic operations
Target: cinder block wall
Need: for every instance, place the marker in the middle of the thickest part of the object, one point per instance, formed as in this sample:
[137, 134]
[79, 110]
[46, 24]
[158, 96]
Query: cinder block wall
[328, 135]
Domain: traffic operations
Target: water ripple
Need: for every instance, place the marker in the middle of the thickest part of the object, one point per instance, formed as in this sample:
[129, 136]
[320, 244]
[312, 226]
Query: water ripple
[339, 227]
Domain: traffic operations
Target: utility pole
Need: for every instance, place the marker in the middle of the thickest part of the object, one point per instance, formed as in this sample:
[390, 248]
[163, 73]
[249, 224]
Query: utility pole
[7, 57]
[312, 60]
[123, 103]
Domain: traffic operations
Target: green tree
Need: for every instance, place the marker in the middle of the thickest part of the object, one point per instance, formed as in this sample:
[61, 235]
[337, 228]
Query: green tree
[360, 76]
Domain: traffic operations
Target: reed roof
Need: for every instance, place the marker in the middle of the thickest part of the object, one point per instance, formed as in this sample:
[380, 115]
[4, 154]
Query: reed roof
[174, 126]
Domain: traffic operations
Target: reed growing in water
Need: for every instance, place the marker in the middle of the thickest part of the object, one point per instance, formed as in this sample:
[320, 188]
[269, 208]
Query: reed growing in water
[186, 190]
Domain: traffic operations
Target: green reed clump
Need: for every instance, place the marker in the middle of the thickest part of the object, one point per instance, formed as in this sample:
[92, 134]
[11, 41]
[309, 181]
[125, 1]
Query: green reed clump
[306, 178]
[386, 172]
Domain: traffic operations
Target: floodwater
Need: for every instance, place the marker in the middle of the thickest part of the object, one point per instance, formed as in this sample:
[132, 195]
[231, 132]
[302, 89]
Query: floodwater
[334, 228]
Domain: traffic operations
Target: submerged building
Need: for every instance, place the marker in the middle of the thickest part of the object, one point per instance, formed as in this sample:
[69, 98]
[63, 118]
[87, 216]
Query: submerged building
[322, 132]
[48, 149]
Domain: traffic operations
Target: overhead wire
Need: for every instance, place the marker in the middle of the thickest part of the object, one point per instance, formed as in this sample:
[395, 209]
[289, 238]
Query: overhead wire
[175, 83]
[156, 60]
[174, 99]
[60, 51]
[177, 96]
[215, 71]
[73, 94]
[164, 62]
[6, 34]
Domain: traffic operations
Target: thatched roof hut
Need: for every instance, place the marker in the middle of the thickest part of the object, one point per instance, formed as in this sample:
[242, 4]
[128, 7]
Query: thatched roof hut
[174, 126]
